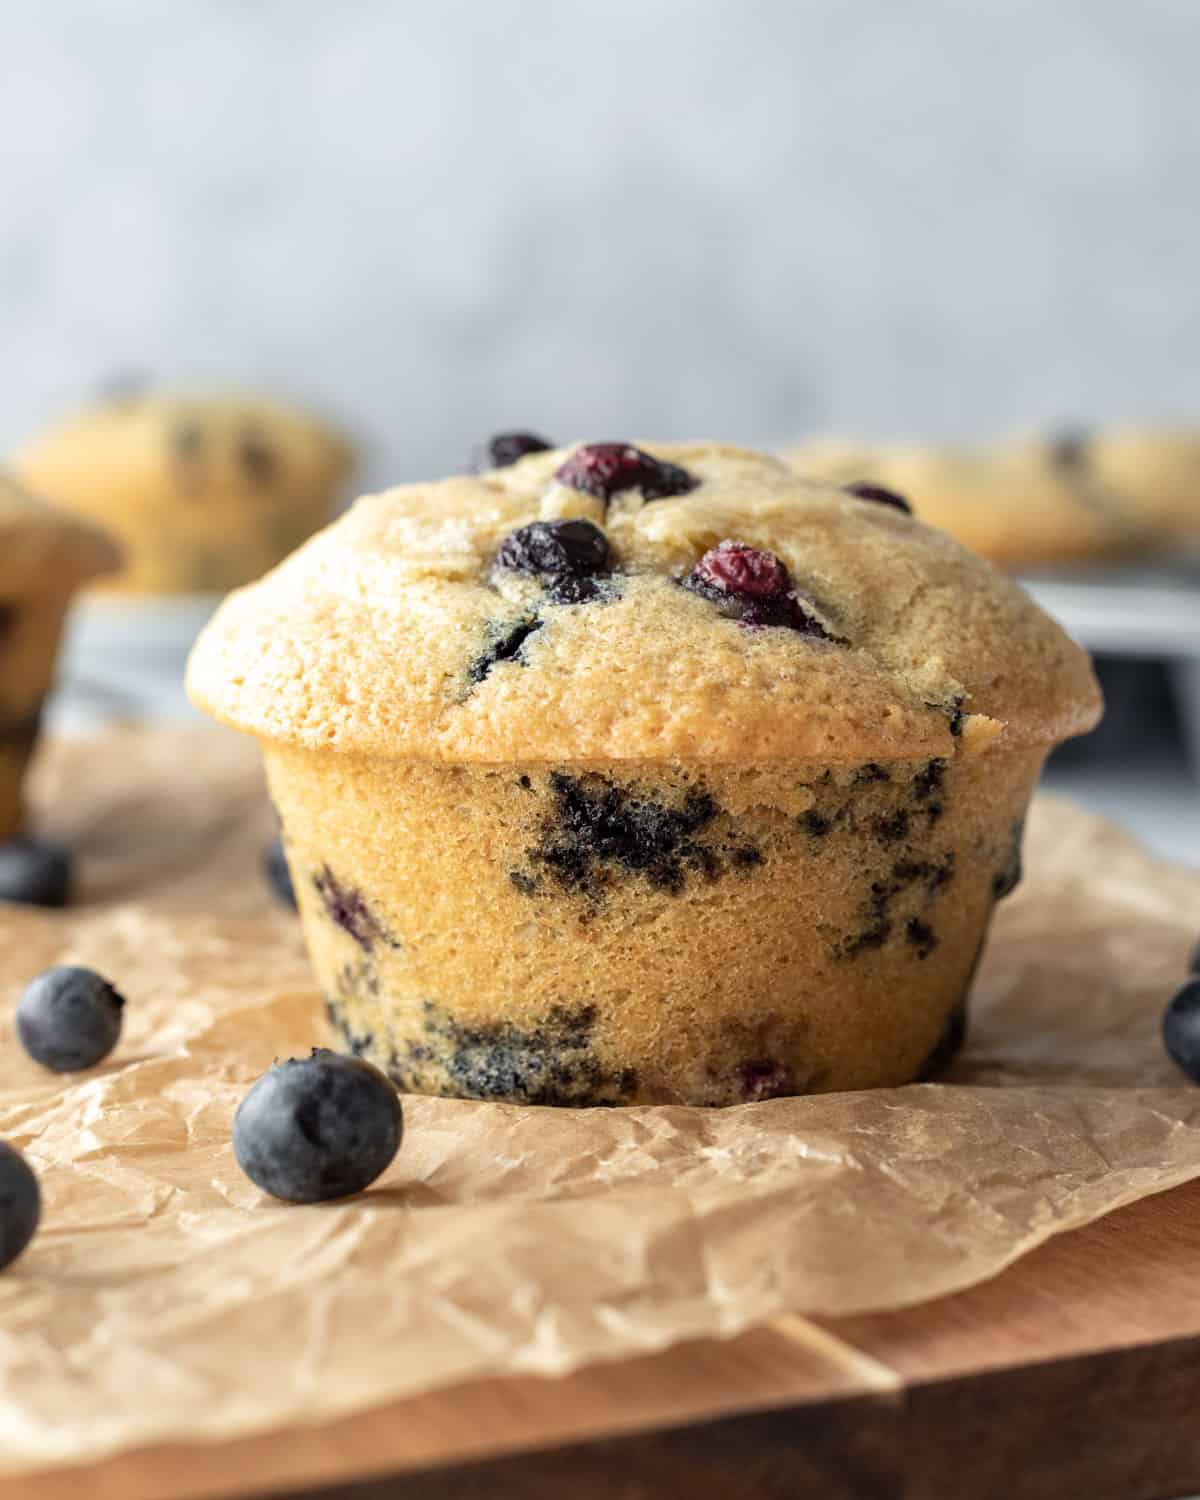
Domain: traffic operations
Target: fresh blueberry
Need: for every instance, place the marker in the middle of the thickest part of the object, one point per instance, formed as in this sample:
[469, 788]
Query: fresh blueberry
[752, 586]
[279, 876]
[507, 447]
[34, 873]
[603, 470]
[1181, 1029]
[318, 1127]
[745, 572]
[69, 1018]
[20, 1204]
[556, 549]
[878, 493]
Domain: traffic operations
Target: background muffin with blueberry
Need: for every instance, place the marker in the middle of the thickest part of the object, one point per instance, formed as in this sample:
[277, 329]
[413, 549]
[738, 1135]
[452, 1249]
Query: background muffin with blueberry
[203, 491]
[1035, 502]
[1068, 496]
[625, 774]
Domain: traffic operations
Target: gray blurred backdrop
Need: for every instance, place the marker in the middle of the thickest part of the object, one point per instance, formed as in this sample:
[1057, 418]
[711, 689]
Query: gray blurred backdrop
[606, 218]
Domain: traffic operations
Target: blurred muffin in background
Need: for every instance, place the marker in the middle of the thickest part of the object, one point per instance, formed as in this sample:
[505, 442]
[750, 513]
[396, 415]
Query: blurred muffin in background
[1156, 471]
[44, 556]
[1037, 502]
[205, 492]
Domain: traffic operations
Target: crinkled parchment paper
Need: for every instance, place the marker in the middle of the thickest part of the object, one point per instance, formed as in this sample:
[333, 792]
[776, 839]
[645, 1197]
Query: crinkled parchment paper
[165, 1298]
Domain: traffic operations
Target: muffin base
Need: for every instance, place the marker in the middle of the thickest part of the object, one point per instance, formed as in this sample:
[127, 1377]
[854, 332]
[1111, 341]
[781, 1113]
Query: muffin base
[30, 632]
[683, 933]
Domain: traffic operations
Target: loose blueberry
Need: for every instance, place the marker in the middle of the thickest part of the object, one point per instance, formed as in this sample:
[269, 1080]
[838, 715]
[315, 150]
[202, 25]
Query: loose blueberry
[1181, 1029]
[603, 470]
[318, 1127]
[753, 587]
[34, 873]
[69, 1018]
[279, 876]
[556, 549]
[507, 447]
[20, 1204]
[880, 494]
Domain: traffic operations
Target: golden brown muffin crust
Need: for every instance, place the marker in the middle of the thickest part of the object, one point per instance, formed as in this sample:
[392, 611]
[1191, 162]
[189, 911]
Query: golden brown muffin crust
[370, 638]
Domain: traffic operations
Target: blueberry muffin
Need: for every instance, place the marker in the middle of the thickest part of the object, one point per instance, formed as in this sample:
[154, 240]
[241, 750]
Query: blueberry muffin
[203, 492]
[1156, 474]
[627, 775]
[1030, 503]
[44, 557]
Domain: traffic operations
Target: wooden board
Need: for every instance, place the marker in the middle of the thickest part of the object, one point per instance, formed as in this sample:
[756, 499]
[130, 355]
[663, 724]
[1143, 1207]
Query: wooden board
[1075, 1374]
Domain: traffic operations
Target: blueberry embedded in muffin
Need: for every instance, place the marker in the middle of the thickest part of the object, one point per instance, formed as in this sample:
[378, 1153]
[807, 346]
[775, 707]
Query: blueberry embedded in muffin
[862, 490]
[506, 448]
[604, 470]
[753, 587]
[572, 558]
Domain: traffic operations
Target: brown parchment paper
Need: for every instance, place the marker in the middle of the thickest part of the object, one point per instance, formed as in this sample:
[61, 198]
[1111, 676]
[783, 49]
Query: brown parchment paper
[166, 1298]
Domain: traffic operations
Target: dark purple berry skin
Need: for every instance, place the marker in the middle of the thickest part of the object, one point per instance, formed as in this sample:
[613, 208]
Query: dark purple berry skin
[507, 447]
[1181, 1029]
[746, 572]
[556, 549]
[347, 908]
[878, 493]
[318, 1127]
[20, 1204]
[35, 873]
[764, 1079]
[69, 1018]
[603, 470]
[753, 587]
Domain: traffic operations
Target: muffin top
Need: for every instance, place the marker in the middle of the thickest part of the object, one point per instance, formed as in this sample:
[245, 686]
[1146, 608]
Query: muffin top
[192, 483]
[1155, 471]
[46, 550]
[611, 602]
[1034, 501]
